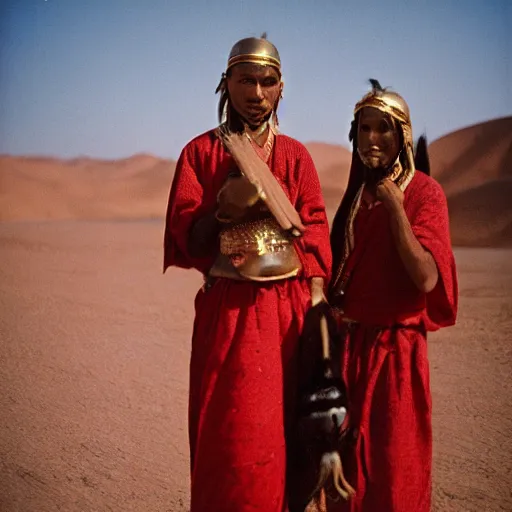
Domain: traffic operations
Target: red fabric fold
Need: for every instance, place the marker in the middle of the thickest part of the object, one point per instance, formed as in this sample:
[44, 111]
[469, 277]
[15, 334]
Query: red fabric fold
[431, 226]
[242, 384]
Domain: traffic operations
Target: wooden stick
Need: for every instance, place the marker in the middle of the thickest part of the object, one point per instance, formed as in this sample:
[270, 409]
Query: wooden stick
[324, 332]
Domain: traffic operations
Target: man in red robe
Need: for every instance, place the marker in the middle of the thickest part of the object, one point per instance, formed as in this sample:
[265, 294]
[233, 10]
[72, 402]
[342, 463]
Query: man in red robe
[394, 279]
[260, 278]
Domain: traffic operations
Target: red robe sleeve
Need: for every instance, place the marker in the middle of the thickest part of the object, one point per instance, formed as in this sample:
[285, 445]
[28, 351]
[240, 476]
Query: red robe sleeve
[313, 247]
[185, 206]
[430, 224]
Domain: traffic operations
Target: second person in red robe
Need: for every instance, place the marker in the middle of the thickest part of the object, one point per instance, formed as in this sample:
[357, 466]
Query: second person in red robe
[394, 279]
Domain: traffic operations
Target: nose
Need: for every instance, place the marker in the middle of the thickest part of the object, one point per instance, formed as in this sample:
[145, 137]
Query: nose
[258, 92]
[373, 137]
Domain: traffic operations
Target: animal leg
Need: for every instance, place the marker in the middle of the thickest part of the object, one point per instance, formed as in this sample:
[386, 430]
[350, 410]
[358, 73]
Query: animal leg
[340, 482]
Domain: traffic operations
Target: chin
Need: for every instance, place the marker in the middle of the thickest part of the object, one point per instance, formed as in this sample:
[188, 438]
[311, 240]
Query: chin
[373, 163]
[256, 121]
[257, 118]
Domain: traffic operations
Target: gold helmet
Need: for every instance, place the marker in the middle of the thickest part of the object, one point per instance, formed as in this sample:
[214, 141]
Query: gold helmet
[395, 106]
[256, 50]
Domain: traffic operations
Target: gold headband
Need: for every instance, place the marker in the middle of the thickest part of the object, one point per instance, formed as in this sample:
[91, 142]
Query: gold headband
[262, 60]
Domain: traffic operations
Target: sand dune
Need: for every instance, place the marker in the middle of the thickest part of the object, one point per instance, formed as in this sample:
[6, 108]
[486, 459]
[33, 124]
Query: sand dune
[35, 188]
[474, 166]
[83, 188]
[473, 156]
[482, 216]
[333, 165]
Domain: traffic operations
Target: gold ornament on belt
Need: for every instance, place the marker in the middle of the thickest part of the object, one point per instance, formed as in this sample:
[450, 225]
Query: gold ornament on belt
[260, 250]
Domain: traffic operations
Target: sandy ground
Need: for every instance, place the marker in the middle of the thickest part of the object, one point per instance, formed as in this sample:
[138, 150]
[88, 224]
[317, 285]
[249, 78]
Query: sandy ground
[94, 374]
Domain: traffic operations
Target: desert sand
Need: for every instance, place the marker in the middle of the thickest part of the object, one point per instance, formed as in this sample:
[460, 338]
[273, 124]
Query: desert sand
[95, 341]
[95, 348]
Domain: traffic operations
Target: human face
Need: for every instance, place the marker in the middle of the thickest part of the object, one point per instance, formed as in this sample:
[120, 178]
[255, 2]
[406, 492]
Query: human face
[254, 91]
[377, 139]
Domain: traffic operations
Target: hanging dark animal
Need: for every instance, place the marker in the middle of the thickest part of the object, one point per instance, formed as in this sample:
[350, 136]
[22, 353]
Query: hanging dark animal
[322, 405]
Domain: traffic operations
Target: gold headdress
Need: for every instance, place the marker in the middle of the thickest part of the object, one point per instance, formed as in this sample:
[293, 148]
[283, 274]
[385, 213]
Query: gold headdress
[392, 104]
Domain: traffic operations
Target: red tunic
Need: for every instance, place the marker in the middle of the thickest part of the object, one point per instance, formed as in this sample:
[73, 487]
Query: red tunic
[242, 368]
[385, 363]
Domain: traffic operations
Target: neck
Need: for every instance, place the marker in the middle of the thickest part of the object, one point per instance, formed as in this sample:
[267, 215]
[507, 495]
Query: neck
[377, 174]
[258, 134]
[237, 123]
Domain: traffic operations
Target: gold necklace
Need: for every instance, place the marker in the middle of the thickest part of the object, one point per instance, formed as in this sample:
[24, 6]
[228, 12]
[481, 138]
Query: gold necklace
[255, 134]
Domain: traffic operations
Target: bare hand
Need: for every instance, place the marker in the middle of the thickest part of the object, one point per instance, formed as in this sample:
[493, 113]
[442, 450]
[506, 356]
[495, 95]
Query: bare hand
[389, 194]
[236, 196]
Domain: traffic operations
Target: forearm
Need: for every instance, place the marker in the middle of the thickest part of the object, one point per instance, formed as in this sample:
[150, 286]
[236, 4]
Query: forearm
[418, 262]
[317, 290]
[203, 237]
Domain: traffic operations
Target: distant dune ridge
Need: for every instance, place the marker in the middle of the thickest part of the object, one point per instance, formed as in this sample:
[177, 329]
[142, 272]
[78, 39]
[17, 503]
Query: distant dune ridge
[474, 166]
[83, 188]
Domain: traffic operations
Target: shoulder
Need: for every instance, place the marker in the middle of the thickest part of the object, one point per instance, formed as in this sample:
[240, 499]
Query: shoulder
[290, 142]
[200, 149]
[424, 192]
[203, 142]
[424, 186]
[292, 146]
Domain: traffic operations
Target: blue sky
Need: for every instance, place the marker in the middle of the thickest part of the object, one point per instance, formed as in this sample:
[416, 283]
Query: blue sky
[111, 78]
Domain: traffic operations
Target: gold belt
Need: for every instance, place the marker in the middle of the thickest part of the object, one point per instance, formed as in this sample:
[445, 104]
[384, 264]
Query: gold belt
[260, 250]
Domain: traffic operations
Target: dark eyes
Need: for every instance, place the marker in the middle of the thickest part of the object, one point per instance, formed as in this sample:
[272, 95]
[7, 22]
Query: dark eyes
[268, 82]
[382, 128]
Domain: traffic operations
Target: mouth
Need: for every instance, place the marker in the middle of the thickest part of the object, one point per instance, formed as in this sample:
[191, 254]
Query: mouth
[375, 157]
[259, 108]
